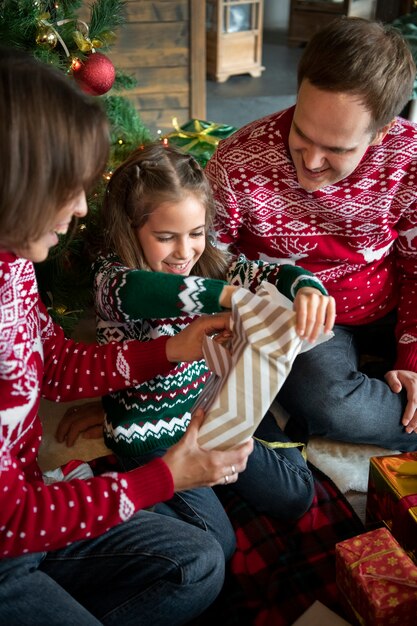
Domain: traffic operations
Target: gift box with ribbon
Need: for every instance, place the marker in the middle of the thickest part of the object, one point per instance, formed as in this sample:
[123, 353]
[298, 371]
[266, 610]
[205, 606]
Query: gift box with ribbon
[377, 580]
[198, 138]
[247, 375]
[392, 497]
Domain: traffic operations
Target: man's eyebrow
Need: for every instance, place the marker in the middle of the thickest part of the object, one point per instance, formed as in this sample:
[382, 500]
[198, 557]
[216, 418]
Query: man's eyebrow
[339, 148]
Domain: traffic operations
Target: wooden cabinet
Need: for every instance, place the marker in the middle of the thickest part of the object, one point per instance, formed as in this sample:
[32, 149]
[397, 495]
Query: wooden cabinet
[308, 16]
[234, 38]
[163, 46]
[389, 10]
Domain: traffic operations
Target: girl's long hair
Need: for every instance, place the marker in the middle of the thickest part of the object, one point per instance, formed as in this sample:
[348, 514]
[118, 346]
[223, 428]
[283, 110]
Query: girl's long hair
[151, 175]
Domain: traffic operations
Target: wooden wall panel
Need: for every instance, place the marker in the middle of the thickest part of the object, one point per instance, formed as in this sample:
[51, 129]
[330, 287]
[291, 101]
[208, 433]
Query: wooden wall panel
[163, 46]
[158, 11]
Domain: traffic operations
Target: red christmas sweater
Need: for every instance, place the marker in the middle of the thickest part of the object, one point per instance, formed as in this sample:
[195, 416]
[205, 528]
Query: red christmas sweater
[36, 360]
[359, 236]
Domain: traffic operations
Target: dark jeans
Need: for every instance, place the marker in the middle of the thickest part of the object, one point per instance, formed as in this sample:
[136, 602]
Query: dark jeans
[337, 390]
[276, 481]
[151, 569]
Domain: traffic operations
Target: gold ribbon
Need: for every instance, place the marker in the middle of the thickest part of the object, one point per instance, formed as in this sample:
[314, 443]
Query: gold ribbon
[375, 555]
[83, 42]
[273, 445]
[407, 468]
[196, 136]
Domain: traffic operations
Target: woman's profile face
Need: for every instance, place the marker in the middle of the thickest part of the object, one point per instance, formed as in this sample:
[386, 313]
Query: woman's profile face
[38, 249]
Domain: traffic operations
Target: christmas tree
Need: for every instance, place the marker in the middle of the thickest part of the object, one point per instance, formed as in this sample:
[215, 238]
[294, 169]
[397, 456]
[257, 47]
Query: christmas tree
[55, 33]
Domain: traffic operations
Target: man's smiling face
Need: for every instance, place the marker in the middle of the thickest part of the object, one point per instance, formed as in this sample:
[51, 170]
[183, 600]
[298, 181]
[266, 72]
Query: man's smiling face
[329, 135]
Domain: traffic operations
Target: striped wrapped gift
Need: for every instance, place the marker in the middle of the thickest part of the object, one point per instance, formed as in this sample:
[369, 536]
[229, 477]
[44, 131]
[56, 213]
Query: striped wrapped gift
[247, 375]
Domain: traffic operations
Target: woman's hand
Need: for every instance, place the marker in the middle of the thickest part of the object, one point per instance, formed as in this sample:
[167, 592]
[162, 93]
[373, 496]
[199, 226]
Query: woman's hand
[85, 420]
[192, 466]
[188, 344]
[313, 312]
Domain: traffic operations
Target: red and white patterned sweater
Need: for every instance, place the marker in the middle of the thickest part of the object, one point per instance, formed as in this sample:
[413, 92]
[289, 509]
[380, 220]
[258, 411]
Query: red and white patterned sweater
[358, 236]
[37, 360]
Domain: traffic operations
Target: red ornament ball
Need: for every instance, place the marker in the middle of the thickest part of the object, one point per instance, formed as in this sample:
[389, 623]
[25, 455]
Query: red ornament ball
[95, 75]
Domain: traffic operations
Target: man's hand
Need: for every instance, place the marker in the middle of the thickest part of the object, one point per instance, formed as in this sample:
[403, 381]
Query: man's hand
[192, 466]
[403, 379]
[188, 344]
[313, 312]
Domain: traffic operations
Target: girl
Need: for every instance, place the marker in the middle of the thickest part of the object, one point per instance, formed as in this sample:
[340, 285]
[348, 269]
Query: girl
[157, 271]
[62, 544]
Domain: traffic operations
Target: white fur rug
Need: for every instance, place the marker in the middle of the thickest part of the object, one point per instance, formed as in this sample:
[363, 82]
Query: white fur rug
[347, 464]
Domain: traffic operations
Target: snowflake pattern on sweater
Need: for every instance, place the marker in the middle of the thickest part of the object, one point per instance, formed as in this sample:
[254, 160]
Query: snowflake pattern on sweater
[359, 236]
[37, 360]
[143, 305]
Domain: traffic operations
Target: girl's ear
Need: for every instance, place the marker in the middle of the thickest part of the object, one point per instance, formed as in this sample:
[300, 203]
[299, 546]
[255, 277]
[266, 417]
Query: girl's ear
[380, 134]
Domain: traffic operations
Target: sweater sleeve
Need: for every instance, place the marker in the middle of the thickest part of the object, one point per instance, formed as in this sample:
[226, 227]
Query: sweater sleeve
[75, 370]
[35, 517]
[228, 219]
[406, 331]
[287, 278]
[126, 295]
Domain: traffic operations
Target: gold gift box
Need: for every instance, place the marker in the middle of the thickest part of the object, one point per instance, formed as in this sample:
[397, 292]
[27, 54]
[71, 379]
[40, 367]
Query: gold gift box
[392, 497]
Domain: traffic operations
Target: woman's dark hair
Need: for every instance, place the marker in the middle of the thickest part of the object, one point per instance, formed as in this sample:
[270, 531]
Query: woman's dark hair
[54, 140]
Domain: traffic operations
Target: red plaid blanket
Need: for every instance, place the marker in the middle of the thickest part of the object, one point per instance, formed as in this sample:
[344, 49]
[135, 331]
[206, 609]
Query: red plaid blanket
[280, 568]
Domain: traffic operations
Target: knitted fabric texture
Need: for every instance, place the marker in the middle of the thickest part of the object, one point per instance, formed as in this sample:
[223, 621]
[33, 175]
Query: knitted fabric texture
[37, 360]
[155, 414]
[358, 235]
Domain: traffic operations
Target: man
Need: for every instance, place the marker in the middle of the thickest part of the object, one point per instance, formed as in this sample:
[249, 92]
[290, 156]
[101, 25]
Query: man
[331, 185]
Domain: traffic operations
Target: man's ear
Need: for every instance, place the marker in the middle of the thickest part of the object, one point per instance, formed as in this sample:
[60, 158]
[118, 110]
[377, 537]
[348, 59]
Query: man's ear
[380, 134]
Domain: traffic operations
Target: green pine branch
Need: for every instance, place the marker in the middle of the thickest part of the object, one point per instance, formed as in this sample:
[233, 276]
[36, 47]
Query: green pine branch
[64, 278]
[106, 16]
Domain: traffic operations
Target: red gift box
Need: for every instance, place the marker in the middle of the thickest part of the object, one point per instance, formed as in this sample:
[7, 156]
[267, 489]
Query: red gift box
[377, 580]
[392, 497]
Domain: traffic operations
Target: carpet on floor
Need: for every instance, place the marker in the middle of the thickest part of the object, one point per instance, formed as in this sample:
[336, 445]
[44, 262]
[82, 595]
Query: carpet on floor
[279, 568]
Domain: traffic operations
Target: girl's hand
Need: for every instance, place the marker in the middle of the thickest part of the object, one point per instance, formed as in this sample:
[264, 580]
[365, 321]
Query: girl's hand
[85, 420]
[192, 466]
[313, 311]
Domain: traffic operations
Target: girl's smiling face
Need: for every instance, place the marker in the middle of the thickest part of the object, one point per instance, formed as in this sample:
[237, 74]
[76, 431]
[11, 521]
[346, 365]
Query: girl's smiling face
[174, 236]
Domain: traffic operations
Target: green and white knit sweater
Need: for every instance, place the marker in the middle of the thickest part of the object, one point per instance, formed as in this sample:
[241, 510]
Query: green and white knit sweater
[137, 304]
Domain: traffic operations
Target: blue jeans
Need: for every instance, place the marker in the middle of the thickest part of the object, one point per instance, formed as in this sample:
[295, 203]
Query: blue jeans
[150, 570]
[329, 392]
[276, 482]
[198, 507]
